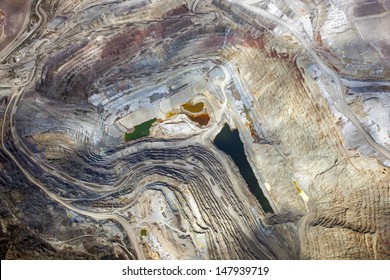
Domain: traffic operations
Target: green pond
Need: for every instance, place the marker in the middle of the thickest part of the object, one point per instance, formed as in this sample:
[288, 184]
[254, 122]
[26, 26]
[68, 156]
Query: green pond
[229, 142]
[140, 130]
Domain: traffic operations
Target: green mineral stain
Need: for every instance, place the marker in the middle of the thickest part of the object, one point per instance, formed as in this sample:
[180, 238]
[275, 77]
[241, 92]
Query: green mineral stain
[140, 130]
[247, 113]
[143, 232]
[297, 186]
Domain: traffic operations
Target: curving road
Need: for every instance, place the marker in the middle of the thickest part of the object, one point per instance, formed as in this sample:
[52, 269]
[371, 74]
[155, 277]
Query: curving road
[229, 75]
[94, 215]
[338, 99]
[10, 111]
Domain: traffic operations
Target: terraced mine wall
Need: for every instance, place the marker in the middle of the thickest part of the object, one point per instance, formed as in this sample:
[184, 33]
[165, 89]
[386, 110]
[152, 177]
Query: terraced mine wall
[84, 74]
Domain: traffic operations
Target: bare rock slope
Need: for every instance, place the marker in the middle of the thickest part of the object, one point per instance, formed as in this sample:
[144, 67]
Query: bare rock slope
[195, 130]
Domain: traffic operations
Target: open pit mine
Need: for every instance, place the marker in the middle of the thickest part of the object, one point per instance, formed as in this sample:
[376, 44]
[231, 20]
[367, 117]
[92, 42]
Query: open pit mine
[206, 129]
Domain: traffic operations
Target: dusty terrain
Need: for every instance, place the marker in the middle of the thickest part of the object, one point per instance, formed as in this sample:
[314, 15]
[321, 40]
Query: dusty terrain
[110, 110]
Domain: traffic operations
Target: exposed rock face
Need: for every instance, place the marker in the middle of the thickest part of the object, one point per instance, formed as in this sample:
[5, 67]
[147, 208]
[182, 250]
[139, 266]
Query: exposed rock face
[2, 16]
[345, 191]
[90, 76]
[354, 37]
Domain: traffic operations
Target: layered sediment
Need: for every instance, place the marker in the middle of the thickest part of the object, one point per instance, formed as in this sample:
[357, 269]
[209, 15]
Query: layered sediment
[79, 181]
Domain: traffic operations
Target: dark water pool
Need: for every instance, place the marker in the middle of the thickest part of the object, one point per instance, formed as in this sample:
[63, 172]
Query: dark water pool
[229, 141]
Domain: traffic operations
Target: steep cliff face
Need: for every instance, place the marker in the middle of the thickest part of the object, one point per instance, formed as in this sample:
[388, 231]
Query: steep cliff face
[110, 115]
[345, 194]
